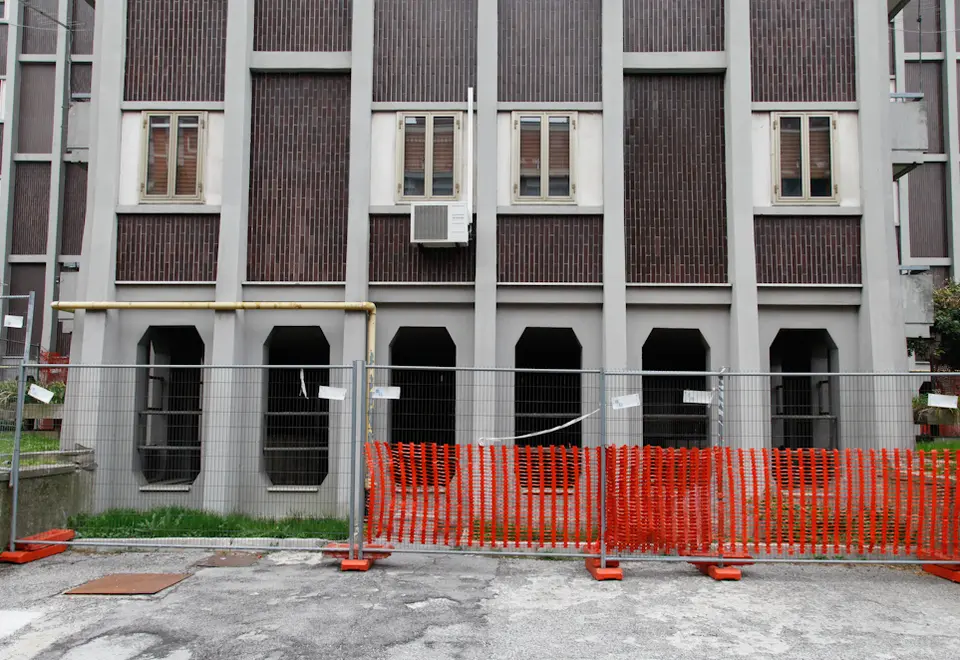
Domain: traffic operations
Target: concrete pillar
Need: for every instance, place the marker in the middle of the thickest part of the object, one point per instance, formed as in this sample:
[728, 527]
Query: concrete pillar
[358, 224]
[882, 343]
[952, 127]
[95, 333]
[747, 401]
[618, 424]
[485, 408]
[9, 144]
[231, 450]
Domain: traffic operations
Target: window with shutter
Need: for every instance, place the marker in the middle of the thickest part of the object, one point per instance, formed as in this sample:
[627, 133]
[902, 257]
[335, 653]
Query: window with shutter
[428, 156]
[804, 158]
[543, 157]
[173, 157]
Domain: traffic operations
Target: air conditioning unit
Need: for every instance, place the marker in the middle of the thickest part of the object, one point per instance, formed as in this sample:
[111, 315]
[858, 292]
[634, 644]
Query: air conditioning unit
[440, 224]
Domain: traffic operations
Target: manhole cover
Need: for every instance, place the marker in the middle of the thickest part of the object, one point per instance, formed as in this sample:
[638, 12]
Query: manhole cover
[129, 584]
[229, 560]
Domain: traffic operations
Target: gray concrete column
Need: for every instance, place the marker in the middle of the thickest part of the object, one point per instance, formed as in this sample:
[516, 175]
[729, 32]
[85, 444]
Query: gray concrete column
[61, 102]
[747, 405]
[614, 252]
[882, 343]
[485, 281]
[226, 452]
[9, 142]
[95, 333]
[358, 223]
[952, 127]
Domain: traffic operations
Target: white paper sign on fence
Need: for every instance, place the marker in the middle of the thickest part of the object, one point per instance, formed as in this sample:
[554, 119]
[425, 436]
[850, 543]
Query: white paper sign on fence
[942, 401]
[386, 393]
[628, 401]
[332, 393]
[40, 393]
[694, 396]
[11, 321]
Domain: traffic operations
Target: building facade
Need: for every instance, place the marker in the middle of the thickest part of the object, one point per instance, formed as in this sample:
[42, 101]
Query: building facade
[665, 186]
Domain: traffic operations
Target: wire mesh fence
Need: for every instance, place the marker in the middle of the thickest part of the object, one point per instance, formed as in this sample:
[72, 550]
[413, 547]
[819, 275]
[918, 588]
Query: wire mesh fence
[632, 465]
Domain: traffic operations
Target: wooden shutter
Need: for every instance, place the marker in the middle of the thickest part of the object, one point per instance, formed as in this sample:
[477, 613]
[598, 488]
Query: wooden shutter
[791, 148]
[820, 159]
[158, 156]
[444, 132]
[529, 146]
[415, 145]
[188, 156]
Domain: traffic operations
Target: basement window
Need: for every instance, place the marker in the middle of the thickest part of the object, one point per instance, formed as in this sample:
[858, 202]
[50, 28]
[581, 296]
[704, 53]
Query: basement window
[543, 157]
[546, 400]
[172, 169]
[667, 420]
[169, 405]
[804, 158]
[296, 440]
[428, 156]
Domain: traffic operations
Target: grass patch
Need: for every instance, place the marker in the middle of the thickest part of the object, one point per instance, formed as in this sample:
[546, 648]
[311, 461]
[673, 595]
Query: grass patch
[29, 442]
[176, 521]
[950, 444]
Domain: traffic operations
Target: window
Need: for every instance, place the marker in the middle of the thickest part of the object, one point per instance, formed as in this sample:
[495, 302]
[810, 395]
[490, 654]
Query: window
[543, 157]
[803, 148]
[428, 156]
[173, 161]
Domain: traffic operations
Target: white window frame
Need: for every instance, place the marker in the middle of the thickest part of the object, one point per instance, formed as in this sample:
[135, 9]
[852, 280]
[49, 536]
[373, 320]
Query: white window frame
[428, 195]
[545, 197]
[3, 99]
[4, 10]
[171, 197]
[806, 199]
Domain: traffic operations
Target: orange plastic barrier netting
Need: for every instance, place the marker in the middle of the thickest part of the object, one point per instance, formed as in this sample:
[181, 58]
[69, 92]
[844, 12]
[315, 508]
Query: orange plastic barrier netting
[799, 503]
[471, 496]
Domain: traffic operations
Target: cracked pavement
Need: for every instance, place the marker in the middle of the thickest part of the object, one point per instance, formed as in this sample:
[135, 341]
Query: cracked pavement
[298, 605]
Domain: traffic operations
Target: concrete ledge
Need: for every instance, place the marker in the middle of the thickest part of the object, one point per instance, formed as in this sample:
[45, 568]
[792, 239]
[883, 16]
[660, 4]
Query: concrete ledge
[523, 293]
[549, 209]
[168, 209]
[812, 210]
[812, 295]
[703, 62]
[567, 106]
[160, 106]
[213, 543]
[385, 293]
[813, 106]
[673, 294]
[426, 106]
[274, 61]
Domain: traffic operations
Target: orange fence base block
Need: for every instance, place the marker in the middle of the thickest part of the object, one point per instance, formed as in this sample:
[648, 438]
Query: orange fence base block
[721, 573]
[951, 573]
[361, 565]
[25, 551]
[611, 572]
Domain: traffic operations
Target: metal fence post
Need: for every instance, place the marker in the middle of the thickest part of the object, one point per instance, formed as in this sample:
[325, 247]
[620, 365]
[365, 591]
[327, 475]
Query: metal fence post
[603, 469]
[355, 381]
[720, 457]
[18, 431]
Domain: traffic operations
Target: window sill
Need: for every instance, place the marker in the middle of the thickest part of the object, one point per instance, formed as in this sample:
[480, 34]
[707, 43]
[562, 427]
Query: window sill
[166, 208]
[166, 488]
[528, 208]
[293, 489]
[808, 209]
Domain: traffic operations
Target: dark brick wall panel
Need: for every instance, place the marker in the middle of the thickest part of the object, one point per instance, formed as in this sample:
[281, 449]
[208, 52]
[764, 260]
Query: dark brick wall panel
[81, 42]
[675, 190]
[807, 250]
[39, 32]
[549, 50]
[25, 278]
[929, 12]
[564, 249]
[74, 208]
[167, 248]
[300, 146]
[64, 340]
[302, 25]
[31, 208]
[656, 26]
[803, 51]
[81, 78]
[176, 55]
[4, 34]
[394, 259]
[424, 50]
[928, 210]
[35, 125]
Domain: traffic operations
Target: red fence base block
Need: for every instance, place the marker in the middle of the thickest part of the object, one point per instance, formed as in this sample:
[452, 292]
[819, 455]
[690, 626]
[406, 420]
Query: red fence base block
[361, 565]
[951, 573]
[721, 572]
[371, 553]
[25, 551]
[730, 569]
[611, 572]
